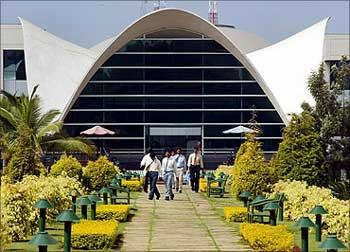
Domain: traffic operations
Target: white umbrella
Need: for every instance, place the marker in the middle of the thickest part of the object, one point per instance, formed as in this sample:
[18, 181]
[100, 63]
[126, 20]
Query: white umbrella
[239, 130]
[97, 130]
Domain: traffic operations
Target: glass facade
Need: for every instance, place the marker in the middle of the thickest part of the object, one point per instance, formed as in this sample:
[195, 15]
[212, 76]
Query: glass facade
[14, 72]
[169, 92]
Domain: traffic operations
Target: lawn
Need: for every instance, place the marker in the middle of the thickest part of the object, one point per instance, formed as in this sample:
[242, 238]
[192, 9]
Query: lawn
[56, 230]
[219, 203]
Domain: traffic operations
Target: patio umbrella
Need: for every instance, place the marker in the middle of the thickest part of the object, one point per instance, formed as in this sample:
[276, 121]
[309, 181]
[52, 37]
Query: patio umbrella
[239, 130]
[97, 131]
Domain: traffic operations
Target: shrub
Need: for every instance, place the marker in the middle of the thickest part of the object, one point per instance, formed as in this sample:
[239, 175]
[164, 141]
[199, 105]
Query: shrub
[18, 200]
[251, 172]
[112, 212]
[301, 201]
[68, 165]
[133, 185]
[235, 213]
[300, 154]
[203, 184]
[25, 159]
[99, 173]
[227, 169]
[92, 234]
[267, 238]
[4, 236]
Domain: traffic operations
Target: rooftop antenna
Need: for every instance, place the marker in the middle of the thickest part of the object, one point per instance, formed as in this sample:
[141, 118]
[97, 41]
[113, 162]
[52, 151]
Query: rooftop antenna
[213, 12]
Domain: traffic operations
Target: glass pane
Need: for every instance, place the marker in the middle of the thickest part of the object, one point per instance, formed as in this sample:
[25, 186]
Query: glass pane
[174, 117]
[257, 102]
[21, 87]
[222, 102]
[220, 60]
[212, 46]
[272, 130]
[222, 116]
[251, 88]
[227, 74]
[125, 60]
[173, 88]
[118, 74]
[123, 116]
[174, 102]
[222, 88]
[222, 143]
[9, 75]
[10, 86]
[270, 144]
[173, 60]
[124, 144]
[173, 74]
[84, 117]
[263, 117]
[133, 46]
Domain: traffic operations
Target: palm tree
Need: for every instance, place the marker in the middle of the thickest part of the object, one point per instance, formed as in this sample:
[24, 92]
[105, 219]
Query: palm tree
[45, 131]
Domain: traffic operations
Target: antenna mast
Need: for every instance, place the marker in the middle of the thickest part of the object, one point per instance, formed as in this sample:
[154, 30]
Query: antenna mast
[213, 12]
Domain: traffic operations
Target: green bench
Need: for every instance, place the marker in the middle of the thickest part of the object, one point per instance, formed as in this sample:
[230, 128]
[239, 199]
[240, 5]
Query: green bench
[117, 189]
[218, 189]
[257, 209]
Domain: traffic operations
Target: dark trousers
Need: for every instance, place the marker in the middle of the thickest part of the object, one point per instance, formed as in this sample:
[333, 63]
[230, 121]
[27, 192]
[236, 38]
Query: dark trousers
[145, 182]
[194, 174]
[153, 177]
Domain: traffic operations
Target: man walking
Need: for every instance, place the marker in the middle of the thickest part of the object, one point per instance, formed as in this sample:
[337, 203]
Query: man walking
[180, 162]
[195, 164]
[146, 158]
[152, 167]
[168, 171]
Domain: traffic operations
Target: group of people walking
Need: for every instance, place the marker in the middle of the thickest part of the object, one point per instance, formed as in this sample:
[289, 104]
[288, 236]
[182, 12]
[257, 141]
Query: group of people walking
[171, 169]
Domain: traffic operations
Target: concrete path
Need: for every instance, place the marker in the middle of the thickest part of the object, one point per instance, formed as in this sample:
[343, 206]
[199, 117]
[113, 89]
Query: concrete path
[188, 223]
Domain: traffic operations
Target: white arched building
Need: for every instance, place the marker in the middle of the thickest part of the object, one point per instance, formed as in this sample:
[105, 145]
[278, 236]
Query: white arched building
[169, 79]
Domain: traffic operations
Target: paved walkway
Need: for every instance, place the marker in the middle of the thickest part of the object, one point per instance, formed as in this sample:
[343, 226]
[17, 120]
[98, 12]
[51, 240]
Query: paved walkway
[188, 223]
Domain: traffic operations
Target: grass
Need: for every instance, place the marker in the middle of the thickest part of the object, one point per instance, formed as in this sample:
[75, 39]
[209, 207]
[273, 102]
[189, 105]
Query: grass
[219, 203]
[55, 229]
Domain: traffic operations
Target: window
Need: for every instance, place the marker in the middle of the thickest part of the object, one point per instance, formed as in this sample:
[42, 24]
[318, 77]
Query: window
[14, 72]
[222, 88]
[117, 74]
[173, 88]
[227, 74]
[263, 117]
[173, 103]
[220, 60]
[125, 60]
[112, 88]
[251, 88]
[257, 102]
[222, 143]
[222, 102]
[222, 116]
[173, 74]
[173, 59]
[174, 117]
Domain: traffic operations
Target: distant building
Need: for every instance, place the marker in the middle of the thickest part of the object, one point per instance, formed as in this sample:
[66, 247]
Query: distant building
[170, 79]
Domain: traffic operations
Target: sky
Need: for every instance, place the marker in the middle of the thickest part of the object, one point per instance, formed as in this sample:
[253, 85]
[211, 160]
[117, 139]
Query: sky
[87, 23]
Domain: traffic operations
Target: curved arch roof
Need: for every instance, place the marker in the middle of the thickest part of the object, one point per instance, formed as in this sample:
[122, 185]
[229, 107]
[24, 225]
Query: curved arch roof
[63, 69]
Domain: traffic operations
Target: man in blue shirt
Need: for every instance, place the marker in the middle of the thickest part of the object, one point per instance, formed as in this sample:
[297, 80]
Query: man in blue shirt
[168, 171]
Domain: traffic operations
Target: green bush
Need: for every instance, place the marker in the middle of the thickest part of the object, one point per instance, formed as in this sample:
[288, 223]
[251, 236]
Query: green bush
[263, 237]
[94, 234]
[25, 158]
[250, 171]
[18, 199]
[112, 212]
[67, 165]
[99, 173]
[300, 154]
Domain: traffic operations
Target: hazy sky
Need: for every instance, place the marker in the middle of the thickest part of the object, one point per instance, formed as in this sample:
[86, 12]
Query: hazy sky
[89, 22]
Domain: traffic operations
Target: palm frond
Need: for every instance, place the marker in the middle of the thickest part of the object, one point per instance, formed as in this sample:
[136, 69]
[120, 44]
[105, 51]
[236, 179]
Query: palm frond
[50, 129]
[69, 144]
[47, 119]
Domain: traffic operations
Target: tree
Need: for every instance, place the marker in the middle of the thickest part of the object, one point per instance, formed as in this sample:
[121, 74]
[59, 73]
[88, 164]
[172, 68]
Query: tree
[24, 112]
[250, 171]
[300, 154]
[332, 114]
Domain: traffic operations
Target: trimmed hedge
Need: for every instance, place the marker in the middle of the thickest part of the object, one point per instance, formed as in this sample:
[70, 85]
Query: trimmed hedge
[94, 234]
[67, 165]
[112, 212]
[235, 214]
[267, 238]
[133, 185]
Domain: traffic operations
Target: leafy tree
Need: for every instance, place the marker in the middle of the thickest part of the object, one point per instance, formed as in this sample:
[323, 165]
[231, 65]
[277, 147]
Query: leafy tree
[300, 155]
[24, 112]
[332, 113]
[67, 165]
[25, 159]
[251, 172]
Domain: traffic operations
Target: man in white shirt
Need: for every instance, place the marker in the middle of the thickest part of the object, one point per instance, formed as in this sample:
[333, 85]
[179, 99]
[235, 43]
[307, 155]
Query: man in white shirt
[152, 168]
[195, 164]
[180, 161]
[168, 171]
